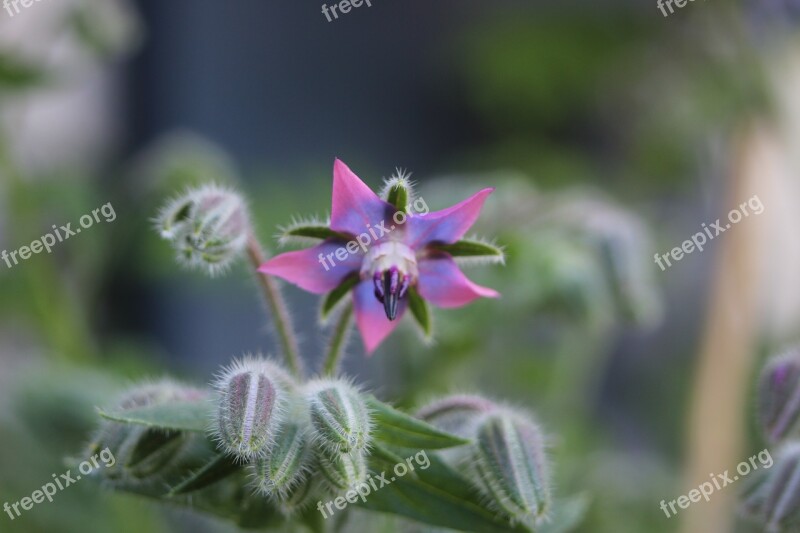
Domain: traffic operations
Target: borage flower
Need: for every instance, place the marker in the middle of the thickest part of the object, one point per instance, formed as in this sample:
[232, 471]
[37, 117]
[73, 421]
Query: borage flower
[390, 257]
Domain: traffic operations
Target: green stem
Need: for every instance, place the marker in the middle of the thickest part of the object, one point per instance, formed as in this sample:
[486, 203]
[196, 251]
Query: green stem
[338, 342]
[277, 306]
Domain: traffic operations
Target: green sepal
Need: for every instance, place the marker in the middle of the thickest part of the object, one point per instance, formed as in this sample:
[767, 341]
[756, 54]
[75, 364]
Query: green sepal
[398, 195]
[470, 248]
[336, 295]
[420, 311]
[314, 231]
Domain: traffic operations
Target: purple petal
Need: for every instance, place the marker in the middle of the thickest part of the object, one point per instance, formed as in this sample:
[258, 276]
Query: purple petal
[443, 284]
[355, 206]
[447, 225]
[305, 269]
[370, 316]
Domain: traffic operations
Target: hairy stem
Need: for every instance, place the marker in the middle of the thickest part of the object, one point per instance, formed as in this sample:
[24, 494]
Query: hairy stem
[338, 341]
[277, 306]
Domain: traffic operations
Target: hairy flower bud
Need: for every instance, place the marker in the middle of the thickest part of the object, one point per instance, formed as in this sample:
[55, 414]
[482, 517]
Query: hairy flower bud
[286, 464]
[458, 414]
[140, 452]
[342, 471]
[253, 400]
[339, 416]
[208, 227]
[300, 496]
[510, 466]
[773, 496]
[779, 397]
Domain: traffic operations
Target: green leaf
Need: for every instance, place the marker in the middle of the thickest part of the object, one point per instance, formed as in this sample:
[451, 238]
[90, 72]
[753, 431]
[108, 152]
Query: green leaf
[177, 416]
[336, 295]
[315, 231]
[382, 456]
[420, 311]
[469, 248]
[217, 469]
[440, 497]
[399, 429]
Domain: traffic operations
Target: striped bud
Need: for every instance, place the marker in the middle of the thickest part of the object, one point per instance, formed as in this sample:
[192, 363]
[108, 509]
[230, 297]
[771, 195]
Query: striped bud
[779, 397]
[342, 471]
[142, 453]
[208, 227]
[286, 465]
[773, 496]
[253, 400]
[339, 416]
[510, 466]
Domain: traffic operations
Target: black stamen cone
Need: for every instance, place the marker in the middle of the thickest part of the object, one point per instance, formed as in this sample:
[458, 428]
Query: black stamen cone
[390, 297]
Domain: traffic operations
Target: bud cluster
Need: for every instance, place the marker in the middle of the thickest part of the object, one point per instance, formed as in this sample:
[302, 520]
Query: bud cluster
[297, 441]
[144, 454]
[774, 497]
[208, 227]
[506, 460]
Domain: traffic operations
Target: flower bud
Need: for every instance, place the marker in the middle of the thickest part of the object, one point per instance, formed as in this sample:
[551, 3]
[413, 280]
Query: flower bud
[510, 466]
[339, 416]
[773, 496]
[300, 496]
[286, 464]
[779, 397]
[342, 471]
[140, 452]
[208, 227]
[458, 414]
[253, 400]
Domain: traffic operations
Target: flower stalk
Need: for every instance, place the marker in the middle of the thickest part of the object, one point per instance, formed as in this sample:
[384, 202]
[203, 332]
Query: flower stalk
[278, 309]
[338, 341]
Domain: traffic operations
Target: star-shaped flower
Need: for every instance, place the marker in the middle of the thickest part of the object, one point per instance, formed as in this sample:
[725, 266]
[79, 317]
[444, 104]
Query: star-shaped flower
[388, 256]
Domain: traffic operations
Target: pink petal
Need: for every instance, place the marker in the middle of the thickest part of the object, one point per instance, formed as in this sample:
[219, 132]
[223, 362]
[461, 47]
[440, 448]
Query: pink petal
[370, 316]
[443, 284]
[305, 269]
[447, 225]
[355, 206]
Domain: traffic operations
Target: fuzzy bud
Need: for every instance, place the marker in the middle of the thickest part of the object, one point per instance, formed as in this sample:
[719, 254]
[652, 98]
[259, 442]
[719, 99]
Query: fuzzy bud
[253, 400]
[339, 416]
[142, 453]
[342, 471]
[286, 465]
[779, 397]
[208, 227]
[510, 466]
[300, 496]
[773, 496]
[458, 414]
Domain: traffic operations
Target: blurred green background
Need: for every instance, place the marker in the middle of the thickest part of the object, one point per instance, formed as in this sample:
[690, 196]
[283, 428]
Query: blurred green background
[610, 131]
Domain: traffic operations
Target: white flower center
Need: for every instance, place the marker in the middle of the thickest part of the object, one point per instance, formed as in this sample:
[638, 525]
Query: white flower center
[390, 254]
